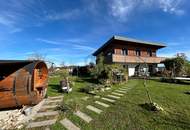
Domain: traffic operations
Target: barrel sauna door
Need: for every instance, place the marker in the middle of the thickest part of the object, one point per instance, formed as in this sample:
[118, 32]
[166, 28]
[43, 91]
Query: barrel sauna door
[40, 80]
[21, 88]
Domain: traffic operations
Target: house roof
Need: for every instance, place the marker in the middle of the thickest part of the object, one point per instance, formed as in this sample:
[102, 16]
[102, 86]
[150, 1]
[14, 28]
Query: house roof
[17, 61]
[126, 39]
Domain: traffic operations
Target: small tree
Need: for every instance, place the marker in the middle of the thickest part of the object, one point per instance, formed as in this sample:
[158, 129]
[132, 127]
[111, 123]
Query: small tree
[187, 68]
[175, 65]
[98, 70]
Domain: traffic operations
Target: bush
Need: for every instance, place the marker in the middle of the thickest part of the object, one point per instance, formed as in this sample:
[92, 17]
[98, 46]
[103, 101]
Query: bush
[107, 74]
[175, 65]
[187, 69]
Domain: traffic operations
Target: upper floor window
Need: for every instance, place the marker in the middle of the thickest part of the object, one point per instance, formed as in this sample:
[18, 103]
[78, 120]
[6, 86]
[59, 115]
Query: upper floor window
[110, 53]
[124, 51]
[138, 52]
[149, 52]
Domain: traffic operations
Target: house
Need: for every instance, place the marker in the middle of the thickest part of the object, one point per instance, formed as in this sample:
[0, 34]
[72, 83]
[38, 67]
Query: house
[131, 53]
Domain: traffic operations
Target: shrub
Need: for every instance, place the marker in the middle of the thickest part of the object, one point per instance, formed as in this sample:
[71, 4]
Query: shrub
[107, 74]
[175, 65]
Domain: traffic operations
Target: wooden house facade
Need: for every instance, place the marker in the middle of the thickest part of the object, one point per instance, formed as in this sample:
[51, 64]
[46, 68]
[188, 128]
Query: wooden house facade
[131, 53]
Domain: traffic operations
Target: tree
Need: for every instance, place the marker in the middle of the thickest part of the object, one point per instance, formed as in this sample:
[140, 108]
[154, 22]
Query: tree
[98, 70]
[175, 65]
[37, 56]
[187, 68]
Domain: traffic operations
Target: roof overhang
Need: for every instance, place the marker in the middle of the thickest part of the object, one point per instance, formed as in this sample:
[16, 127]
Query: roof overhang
[127, 40]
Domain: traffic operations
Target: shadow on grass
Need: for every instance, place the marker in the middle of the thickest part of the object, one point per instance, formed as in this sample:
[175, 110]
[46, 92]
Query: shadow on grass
[89, 80]
[55, 87]
[188, 92]
[86, 90]
[147, 106]
[171, 81]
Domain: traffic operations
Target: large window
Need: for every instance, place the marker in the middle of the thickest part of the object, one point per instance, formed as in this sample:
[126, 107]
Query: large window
[149, 52]
[138, 52]
[124, 51]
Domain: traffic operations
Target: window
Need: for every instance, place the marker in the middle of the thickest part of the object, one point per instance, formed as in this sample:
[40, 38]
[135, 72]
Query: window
[124, 51]
[149, 52]
[110, 53]
[138, 52]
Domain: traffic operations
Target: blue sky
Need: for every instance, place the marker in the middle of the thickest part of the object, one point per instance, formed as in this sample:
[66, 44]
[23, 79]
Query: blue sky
[71, 31]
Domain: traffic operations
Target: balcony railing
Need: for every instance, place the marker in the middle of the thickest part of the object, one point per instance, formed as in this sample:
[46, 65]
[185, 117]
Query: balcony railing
[136, 59]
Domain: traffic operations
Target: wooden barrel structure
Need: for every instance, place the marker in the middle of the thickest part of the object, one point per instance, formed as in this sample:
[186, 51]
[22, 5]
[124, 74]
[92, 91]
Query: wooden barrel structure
[22, 83]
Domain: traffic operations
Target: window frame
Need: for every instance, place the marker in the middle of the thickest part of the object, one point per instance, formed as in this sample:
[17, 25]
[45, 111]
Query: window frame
[124, 51]
[149, 52]
[138, 52]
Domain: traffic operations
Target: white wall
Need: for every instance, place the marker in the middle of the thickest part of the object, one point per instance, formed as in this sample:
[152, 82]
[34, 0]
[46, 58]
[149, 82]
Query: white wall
[131, 69]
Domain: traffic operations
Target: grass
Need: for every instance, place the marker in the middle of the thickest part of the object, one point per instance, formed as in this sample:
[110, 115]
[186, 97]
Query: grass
[127, 113]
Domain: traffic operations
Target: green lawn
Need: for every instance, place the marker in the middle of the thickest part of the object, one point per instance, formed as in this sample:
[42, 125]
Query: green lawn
[127, 113]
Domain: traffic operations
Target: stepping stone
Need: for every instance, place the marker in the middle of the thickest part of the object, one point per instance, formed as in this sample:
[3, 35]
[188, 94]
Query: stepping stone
[120, 91]
[83, 116]
[109, 100]
[112, 96]
[85, 98]
[56, 97]
[96, 96]
[41, 114]
[69, 125]
[41, 123]
[53, 101]
[102, 104]
[47, 128]
[94, 109]
[118, 94]
[48, 106]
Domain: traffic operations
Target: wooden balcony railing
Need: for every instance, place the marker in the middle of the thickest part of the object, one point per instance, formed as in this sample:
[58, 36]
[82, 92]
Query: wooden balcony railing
[136, 59]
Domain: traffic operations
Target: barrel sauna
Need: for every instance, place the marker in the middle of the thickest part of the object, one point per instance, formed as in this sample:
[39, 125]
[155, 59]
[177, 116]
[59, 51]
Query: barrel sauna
[22, 83]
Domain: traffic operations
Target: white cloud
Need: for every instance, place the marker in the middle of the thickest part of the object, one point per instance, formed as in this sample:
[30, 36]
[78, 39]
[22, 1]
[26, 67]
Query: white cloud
[75, 40]
[6, 21]
[71, 14]
[171, 6]
[172, 54]
[122, 9]
[48, 41]
[9, 20]
[83, 47]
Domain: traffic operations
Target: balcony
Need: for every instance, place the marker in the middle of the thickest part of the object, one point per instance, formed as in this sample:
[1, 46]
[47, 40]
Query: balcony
[136, 59]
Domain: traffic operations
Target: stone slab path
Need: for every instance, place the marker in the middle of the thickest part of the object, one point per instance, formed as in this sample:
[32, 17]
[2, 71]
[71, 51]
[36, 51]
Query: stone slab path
[83, 116]
[94, 109]
[41, 123]
[56, 97]
[102, 104]
[120, 91]
[42, 114]
[112, 96]
[46, 106]
[123, 89]
[118, 94]
[109, 100]
[53, 101]
[69, 125]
